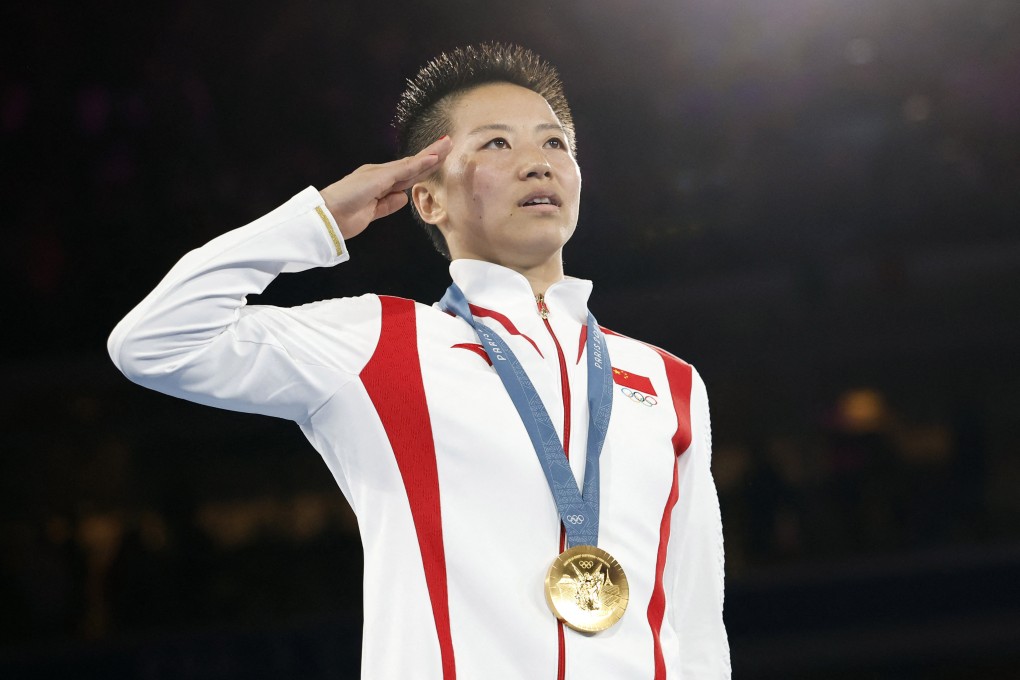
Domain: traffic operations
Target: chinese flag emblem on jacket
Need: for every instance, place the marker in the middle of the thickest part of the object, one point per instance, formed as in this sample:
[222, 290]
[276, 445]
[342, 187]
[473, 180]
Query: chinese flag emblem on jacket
[633, 381]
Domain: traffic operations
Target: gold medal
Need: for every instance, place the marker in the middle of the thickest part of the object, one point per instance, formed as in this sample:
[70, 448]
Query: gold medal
[587, 589]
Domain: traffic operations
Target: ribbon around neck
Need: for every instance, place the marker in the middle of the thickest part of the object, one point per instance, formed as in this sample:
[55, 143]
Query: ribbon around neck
[579, 509]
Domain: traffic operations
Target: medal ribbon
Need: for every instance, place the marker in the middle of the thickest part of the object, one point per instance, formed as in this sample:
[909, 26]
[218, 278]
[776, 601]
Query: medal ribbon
[578, 510]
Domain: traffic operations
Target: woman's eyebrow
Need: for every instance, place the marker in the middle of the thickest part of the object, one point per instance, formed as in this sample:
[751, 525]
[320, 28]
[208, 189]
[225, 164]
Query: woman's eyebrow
[503, 127]
[492, 126]
[550, 126]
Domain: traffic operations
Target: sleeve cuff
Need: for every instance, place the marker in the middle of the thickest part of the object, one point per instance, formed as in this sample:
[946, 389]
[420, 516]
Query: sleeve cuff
[330, 231]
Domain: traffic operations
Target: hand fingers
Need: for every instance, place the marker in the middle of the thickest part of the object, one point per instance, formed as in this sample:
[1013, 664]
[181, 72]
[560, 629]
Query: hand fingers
[389, 204]
[415, 168]
[440, 147]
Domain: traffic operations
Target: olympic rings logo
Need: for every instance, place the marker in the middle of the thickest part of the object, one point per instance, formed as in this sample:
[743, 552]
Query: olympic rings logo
[585, 564]
[575, 519]
[634, 395]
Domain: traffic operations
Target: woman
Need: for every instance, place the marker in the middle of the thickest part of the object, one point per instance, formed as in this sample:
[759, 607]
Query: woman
[534, 495]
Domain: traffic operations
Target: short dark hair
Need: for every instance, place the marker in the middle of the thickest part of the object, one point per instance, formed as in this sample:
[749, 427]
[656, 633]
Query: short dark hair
[423, 112]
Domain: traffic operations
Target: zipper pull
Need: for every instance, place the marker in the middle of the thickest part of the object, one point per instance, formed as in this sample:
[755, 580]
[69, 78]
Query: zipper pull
[543, 309]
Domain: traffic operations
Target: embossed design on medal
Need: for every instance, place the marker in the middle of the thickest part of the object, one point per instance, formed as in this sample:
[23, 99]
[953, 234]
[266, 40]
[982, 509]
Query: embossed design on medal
[591, 587]
[587, 589]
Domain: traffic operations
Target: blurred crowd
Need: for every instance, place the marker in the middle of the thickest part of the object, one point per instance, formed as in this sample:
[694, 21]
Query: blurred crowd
[116, 529]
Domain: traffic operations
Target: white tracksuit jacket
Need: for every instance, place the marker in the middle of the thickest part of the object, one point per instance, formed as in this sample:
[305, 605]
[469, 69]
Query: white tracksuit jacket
[456, 518]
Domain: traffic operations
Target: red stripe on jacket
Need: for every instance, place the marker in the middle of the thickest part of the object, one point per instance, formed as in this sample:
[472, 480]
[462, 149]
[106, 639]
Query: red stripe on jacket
[505, 322]
[474, 347]
[679, 375]
[394, 383]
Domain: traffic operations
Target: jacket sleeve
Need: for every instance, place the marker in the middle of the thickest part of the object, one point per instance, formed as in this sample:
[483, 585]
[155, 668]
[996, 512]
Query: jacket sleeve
[194, 337]
[697, 604]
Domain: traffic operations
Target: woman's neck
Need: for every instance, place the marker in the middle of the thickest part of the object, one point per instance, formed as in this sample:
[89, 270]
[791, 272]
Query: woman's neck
[540, 275]
[541, 278]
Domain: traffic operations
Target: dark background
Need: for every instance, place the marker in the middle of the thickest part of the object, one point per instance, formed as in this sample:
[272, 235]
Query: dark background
[815, 202]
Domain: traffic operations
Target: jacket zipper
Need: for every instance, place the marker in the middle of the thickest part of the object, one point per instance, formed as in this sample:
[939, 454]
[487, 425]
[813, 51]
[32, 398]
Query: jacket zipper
[543, 311]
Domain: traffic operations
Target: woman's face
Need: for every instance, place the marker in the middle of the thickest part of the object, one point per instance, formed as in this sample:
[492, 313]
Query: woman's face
[510, 187]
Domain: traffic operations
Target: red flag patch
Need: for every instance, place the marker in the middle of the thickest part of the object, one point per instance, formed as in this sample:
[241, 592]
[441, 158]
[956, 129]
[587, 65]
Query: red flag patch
[633, 381]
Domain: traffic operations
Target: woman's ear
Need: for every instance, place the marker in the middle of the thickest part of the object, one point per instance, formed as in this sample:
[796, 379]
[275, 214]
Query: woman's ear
[428, 203]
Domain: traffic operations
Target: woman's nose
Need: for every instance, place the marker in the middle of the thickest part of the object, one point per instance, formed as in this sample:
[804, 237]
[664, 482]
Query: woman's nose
[536, 166]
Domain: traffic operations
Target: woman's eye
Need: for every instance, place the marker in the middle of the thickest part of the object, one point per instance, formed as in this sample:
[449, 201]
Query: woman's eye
[498, 143]
[556, 143]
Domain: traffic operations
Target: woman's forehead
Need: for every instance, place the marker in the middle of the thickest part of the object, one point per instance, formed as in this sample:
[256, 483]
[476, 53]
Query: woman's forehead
[502, 104]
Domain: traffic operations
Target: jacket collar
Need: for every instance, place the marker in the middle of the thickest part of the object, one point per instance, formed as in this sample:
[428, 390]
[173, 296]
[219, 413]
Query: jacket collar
[503, 290]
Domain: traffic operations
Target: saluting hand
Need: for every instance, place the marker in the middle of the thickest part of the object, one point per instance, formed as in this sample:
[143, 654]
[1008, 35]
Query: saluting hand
[374, 191]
